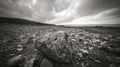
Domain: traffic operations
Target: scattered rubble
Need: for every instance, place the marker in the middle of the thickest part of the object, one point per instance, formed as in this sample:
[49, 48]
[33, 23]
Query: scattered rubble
[64, 46]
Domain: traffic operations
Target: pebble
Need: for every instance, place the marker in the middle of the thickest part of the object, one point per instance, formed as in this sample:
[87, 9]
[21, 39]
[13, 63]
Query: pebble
[84, 51]
[80, 55]
[97, 61]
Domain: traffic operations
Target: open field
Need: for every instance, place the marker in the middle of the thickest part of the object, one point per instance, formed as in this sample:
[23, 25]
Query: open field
[100, 46]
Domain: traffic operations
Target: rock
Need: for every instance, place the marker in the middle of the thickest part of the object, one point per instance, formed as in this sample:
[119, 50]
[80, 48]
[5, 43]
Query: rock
[20, 48]
[84, 51]
[16, 61]
[112, 65]
[103, 43]
[117, 50]
[59, 46]
[115, 45]
[56, 45]
[97, 61]
[29, 63]
[46, 63]
[80, 55]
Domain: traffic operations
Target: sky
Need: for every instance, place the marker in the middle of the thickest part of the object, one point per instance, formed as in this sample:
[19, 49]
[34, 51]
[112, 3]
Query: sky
[63, 12]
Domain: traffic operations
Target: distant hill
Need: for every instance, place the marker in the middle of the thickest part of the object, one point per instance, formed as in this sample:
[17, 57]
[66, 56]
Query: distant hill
[20, 21]
[91, 25]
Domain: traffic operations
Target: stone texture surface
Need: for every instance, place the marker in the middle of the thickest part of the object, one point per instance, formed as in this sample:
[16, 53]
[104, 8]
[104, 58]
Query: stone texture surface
[28, 46]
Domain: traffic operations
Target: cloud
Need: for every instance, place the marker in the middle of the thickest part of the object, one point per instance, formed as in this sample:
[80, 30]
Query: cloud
[66, 14]
[86, 9]
[110, 16]
[110, 13]
[34, 1]
[60, 11]
[37, 10]
[10, 13]
[15, 7]
[58, 7]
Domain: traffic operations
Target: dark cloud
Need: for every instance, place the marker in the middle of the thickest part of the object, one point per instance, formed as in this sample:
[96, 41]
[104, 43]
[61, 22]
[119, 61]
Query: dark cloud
[95, 6]
[13, 8]
[59, 11]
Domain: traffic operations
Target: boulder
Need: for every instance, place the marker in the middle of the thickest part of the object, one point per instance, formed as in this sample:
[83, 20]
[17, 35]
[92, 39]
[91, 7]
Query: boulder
[59, 47]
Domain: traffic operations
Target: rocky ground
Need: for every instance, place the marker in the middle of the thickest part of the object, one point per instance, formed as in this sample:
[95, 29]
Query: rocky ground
[50, 46]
